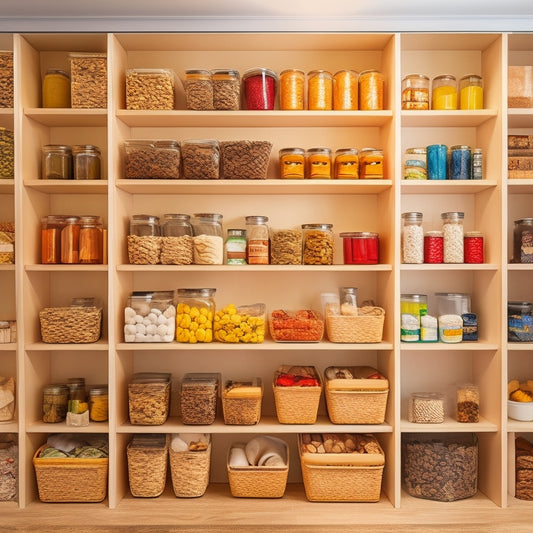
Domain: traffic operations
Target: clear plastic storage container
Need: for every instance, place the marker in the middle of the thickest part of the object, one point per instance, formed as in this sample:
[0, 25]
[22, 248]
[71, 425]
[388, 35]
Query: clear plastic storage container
[195, 315]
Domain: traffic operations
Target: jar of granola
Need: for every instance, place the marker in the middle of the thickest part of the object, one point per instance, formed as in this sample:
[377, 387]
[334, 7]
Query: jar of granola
[318, 244]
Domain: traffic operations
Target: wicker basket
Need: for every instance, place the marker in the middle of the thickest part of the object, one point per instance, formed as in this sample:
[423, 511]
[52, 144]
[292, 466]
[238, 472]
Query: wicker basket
[297, 405]
[258, 481]
[365, 327]
[334, 481]
[147, 470]
[190, 472]
[70, 479]
[77, 325]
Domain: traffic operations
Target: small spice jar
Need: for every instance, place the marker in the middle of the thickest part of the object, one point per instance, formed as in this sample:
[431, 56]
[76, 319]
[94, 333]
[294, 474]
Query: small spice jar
[345, 90]
[292, 163]
[348, 300]
[460, 162]
[56, 162]
[195, 315]
[415, 92]
[371, 90]
[473, 247]
[320, 90]
[318, 163]
[468, 403]
[471, 92]
[259, 88]
[433, 247]
[55, 403]
[346, 164]
[98, 403]
[426, 408]
[257, 240]
[360, 248]
[56, 88]
[444, 92]
[437, 161]
[90, 240]
[226, 89]
[523, 241]
[371, 163]
[86, 162]
[453, 235]
[415, 164]
[236, 247]
[318, 244]
[292, 90]
[412, 241]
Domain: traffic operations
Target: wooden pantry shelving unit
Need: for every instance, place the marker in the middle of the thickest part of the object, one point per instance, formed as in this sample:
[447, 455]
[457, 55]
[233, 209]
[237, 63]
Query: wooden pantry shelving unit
[374, 205]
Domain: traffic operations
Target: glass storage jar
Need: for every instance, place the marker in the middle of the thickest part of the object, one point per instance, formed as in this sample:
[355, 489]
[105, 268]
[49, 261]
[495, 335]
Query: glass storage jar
[70, 240]
[150, 317]
[199, 397]
[415, 92]
[460, 162]
[415, 164]
[51, 226]
[292, 163]
[437, 161]
[346, 164]
[426, 408]
[208, 242]
[318, 163]
[433, 247]
[371, 90]
[318, 244]
[195, 315]
[236, 247]
[519, 322]
[292, 90]
[86, 162]
[176, 225]
[471, 92]
[98, 403]
[200, 159]
[523, 241]
[198, 87]
[452, 303]
[371, 163]
[90, 240]
[360, 247]
[345, 90]
[56, 162]
[138, 158]
[468, 403]
[55, 403]
[473, 247]
[166, 162]
[257, 240]
[56, 88]
[319, 90]
[453, 234]
[145, 226]
[176, 240]
[226, 89]
[348, 300]
[412, 308]
[412, 240]
[444, 92]
[259, 88]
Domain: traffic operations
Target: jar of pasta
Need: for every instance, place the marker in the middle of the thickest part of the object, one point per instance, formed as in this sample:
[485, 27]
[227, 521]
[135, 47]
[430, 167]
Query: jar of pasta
[370, 90]
[371, 163]
[444, 92]
[195, 315]
[345, 90]
[346, 163]
[292, 163]
[320, 90]
[291, 90]
[319, 163]
[318, 244]
[415, 92]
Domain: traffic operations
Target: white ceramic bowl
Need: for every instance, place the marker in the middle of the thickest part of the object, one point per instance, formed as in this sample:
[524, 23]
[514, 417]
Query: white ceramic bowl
[520, 410]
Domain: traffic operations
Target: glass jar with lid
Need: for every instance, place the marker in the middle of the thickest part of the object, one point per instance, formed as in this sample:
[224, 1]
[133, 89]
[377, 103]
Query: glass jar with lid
[433, 247]
[318, 163]
[360, 247]
[55, 403]
[176, 225]
[145, 225]
[176, 240]
[208, 241]
[70, 240]
[56, 162]
[319, 90]
[426, 408]
[523, 241]
[292, 90]
[198, 87]
[144, 240]
[56, 88]
[348, 300]
[226, 89]
[412, 240]
[415, 164]
[346, 164]
[444, 92]
[199, 397]
[346, 90]
[453, 235]
[200, 159]
[415, 92]
[292, 163]
[166, 162]
[519, 321]
[318, 244]
[259, 88]
[195, 315]
[86, 161]
[471, 92]
[98, 403]
[257, 240]
[371, 84]
[371, 163]
[51, 226]
[150, 317]
[91, 240]
[460, 162]
[467, 403]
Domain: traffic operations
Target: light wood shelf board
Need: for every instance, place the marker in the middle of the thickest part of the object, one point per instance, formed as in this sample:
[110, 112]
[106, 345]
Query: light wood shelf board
[442, 119]
[446, 186]
[67, 117]
[68, 186]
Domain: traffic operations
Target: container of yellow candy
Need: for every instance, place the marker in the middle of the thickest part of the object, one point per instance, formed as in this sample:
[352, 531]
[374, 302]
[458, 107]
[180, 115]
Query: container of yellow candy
[195, 315]
[243, 324]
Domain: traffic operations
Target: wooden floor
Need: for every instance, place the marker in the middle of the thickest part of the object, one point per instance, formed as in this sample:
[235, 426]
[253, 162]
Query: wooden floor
[218, 511]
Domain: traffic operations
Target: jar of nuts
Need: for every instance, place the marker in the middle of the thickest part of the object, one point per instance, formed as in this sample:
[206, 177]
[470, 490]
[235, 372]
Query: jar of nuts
[468, 403]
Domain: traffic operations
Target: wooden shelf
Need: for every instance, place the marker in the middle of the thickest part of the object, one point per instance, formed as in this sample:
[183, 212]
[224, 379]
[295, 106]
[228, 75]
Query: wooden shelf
[68, 186]
[450, 425]
[447, 119]
[446, 186]
[67, 117]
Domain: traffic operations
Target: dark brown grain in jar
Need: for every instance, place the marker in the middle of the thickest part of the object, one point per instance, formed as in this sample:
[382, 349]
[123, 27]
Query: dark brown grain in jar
[86, 162]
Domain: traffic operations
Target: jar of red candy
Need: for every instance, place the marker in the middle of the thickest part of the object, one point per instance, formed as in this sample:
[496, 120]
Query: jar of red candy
[360, 247]
[259, 88]
[433, 247]
[473, 245]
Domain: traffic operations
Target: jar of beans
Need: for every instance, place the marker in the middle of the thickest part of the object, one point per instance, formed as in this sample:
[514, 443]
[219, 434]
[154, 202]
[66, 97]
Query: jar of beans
[412, 238]
[453, 234]
[473, 246]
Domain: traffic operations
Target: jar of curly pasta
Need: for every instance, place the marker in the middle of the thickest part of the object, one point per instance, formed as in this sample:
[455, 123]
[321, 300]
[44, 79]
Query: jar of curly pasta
[320, 90]
[318, 244]
[291, 90]
[370, 90]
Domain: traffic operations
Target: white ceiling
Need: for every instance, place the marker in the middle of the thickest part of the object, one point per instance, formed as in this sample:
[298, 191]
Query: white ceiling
[336, 15]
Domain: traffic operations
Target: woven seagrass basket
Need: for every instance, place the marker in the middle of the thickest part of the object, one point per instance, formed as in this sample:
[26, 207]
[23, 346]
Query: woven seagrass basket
[64, 325]
[190, 472]
[70, 479]
[365, 327]
[147, 470]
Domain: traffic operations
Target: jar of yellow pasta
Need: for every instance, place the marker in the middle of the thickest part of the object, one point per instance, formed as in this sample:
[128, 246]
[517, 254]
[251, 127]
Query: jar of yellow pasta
[195, 315]
[345, 90]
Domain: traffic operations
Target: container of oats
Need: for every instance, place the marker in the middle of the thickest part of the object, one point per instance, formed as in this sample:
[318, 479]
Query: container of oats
[149, 398]
[88, 80]
[199, 397]
[149, 88]
[241, 401]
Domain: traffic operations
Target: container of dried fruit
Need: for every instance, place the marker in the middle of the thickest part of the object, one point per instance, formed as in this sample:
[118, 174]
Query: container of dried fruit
[355, 394]
[149, 398]
[241, 401]
[199, 398]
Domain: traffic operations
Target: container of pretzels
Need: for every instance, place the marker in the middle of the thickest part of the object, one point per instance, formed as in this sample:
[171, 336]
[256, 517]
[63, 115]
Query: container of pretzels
[341, 467]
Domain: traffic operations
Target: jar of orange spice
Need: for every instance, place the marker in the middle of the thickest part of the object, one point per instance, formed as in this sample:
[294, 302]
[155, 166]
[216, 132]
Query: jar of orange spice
[345, 90]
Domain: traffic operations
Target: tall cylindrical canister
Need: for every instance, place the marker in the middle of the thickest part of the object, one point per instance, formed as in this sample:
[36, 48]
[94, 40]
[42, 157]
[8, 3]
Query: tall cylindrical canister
[444, 92]
[320, 90]
[437, 161]
[412, 238]
[412, 308]
[257, 240]
[453, 233]
[460, 162]
[292, 90]
[471, 92]
[415, 92]
[345, 90]
[371, 90]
